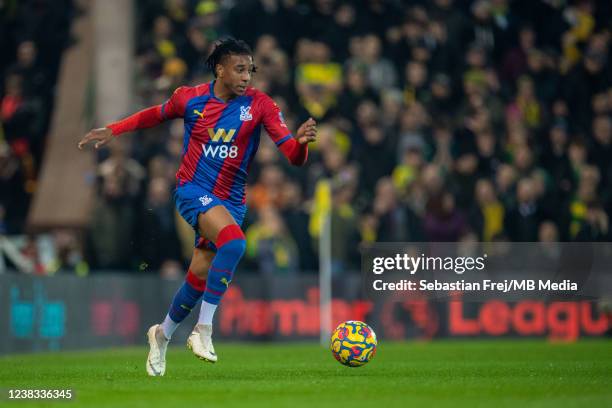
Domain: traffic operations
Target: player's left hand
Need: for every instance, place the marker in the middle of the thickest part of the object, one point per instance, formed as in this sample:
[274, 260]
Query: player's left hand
[307, 132]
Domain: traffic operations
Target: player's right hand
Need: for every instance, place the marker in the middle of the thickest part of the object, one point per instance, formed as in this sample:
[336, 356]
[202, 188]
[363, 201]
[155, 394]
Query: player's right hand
[102, 136]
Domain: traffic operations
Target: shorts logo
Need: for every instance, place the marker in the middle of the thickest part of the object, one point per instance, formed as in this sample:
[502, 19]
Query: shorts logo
[282, 119]
[205, 200]
[245, 113]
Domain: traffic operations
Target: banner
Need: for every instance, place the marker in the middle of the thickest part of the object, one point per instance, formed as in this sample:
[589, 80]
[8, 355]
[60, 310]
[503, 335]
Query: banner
[67, 312]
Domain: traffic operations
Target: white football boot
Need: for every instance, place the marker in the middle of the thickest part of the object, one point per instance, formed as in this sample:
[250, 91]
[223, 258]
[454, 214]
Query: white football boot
[200, 343]
[156, 361]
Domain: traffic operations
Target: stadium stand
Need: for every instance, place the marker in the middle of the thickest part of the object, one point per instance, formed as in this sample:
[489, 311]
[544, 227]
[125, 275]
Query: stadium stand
[33, 36]
[441, 120]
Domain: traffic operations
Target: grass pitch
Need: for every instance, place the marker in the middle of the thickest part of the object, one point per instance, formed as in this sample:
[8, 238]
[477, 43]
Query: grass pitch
[440, 374]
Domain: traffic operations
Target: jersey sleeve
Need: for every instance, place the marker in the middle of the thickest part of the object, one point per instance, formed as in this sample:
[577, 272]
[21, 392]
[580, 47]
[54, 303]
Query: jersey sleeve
[174, 107]
[296, 153]
[153, 116]
[273, 121]
[144, 119]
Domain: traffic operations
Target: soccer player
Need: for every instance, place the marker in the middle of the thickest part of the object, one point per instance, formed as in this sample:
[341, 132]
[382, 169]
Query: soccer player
[223, 121]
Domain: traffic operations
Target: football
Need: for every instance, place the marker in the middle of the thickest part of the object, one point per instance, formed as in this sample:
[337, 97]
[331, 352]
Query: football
[353, 343]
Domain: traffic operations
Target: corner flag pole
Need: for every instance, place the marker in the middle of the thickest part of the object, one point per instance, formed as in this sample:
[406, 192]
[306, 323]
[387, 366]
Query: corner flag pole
[325, 278]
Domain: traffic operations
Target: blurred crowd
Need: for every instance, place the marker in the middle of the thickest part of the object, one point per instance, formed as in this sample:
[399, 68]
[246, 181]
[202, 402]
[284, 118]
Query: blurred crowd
[440, 120]
[33, 35]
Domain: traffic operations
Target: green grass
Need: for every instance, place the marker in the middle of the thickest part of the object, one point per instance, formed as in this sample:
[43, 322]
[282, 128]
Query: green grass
[451, 373]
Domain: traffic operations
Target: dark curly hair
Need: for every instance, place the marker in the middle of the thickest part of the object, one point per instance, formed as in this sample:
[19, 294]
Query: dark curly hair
[225, 47]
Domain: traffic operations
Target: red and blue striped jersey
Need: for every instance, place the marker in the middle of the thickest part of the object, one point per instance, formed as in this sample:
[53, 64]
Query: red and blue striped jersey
[221, 138]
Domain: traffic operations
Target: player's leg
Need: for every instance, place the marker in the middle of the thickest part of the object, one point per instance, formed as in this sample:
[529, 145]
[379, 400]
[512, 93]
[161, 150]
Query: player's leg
[184, 300]
[190, 292]
[226, 234]
[220, 227]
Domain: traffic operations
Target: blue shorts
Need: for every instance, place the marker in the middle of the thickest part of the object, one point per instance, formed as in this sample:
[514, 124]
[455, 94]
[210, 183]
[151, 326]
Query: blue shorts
[191, 200]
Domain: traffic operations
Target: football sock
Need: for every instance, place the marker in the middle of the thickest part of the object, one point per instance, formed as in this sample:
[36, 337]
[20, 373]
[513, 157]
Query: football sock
[168, 327]
[185, 299]
[207, 311]
[231, 245]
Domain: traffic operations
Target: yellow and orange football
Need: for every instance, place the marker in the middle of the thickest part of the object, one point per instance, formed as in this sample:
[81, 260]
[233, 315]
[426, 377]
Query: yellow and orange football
[353, 343]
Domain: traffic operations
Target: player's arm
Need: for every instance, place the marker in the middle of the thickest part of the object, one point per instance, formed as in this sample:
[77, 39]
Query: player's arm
[295, 149]
[146, 118]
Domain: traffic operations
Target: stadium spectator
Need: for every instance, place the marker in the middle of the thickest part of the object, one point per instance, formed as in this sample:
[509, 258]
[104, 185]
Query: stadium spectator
[443, 222]
[270, 244]
[487, 215]
[112, 228]
[69, 256]
[522, 220]
[158, 237]
[295, 213]
[396, 222]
